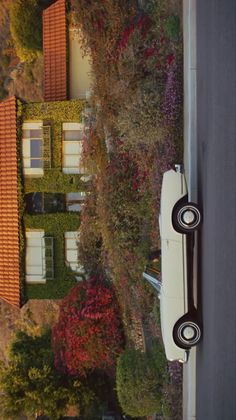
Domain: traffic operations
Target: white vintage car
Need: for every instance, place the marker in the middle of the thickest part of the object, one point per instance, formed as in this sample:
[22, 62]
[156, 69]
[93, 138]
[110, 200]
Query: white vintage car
[178, 220]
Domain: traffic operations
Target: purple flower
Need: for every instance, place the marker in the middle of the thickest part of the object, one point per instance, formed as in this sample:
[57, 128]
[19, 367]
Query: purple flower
[173, 95]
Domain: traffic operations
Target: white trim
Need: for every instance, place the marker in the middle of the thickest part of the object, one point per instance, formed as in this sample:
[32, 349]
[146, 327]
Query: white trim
[73, 149]
[34, 172]
[32, 125]
[34, 279]
[71, 251]
[72, 126]
[27, 170]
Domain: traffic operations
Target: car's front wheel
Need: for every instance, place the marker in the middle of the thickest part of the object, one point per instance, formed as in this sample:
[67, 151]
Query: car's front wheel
[187, 333]
[186, 217]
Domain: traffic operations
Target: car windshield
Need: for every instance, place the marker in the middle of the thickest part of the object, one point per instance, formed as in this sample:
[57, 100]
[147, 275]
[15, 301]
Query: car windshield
[153, 281]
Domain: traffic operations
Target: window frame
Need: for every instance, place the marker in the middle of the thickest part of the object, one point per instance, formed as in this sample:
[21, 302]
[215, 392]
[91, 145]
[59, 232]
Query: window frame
[30, 170]
[68, 235]
[79, 201]
[66, 168]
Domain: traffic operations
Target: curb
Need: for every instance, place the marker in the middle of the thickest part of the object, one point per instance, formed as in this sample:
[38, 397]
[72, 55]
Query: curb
[190, 104]
[190, 164]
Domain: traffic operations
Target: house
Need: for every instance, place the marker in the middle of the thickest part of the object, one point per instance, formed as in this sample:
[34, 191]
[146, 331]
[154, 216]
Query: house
[42, 184]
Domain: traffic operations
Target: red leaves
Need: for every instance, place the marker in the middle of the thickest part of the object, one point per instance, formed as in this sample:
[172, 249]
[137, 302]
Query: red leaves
[139, 178]
[170, 58]
[125, 37]
[142, 24]
[88, 333]
[150, 52]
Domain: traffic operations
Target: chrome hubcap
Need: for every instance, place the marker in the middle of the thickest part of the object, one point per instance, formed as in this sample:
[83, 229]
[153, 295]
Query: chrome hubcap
[188, 333]
[188, 217]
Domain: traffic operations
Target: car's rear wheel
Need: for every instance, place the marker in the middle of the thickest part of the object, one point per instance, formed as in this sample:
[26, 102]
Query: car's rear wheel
[187, 332]
[186, 217]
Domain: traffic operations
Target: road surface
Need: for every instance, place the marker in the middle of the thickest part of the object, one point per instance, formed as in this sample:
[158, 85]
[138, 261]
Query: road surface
[216, 142]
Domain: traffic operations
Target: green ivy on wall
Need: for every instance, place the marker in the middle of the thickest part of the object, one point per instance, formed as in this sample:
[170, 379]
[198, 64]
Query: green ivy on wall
[55, 113]
[58, 111]
[55, 225]
[54, 180]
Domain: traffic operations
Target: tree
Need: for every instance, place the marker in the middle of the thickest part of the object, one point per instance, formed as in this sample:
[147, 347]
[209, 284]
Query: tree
[30, 384]
[26, 28]
[88, 334]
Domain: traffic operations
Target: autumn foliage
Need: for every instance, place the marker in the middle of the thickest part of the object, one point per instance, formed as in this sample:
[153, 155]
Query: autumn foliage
[88, 333]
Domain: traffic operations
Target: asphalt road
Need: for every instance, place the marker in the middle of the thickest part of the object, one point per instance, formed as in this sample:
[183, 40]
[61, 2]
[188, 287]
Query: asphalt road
[216, 139]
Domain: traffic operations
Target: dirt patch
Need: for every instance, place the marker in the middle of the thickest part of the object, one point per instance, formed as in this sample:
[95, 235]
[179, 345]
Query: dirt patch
[26, 81]
[31, 317]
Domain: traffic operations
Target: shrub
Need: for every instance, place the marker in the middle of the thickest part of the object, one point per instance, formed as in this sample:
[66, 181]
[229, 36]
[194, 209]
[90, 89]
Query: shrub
[139, 381]
[172, 26]
[3, 92]
[26, 28]
[24, 54]
[87, 335]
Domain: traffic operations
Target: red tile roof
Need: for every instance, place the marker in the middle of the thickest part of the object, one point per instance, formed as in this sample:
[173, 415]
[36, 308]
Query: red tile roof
[54, 49]
[9, 216]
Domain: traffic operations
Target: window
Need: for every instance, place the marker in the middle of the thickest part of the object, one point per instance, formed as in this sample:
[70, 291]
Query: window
[72, 148]
[74, 201]
[71, 251]
[35, 267]
[39, 257]
[32, 149]
[41, 202]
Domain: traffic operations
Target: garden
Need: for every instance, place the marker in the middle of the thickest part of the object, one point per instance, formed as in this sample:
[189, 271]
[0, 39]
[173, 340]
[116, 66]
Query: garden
[135, 134]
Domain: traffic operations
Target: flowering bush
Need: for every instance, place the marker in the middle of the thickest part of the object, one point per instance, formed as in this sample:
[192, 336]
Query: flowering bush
[88, 333]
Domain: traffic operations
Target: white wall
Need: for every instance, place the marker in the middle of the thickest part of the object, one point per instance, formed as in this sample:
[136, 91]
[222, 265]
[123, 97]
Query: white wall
[80, 68]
